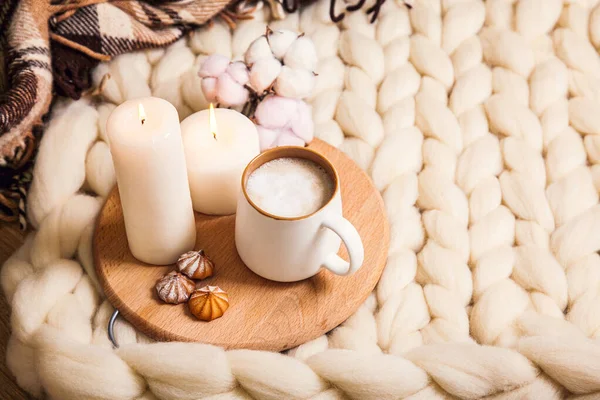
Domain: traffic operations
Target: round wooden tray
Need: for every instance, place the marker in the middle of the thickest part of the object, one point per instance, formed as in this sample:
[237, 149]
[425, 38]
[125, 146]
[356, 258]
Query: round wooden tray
[262, 314]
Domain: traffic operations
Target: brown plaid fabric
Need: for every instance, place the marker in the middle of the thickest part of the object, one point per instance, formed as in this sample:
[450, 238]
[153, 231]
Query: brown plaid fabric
[45, 42]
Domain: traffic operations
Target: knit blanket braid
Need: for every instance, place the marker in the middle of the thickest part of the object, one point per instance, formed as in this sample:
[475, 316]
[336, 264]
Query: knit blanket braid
[478, 122]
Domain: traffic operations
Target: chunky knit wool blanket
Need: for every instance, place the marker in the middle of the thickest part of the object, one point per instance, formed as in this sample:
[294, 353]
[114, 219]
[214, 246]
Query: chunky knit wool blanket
[479, 123]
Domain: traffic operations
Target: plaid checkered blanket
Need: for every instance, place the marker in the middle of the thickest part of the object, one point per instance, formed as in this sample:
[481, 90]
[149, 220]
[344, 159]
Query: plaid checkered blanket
[50, 44]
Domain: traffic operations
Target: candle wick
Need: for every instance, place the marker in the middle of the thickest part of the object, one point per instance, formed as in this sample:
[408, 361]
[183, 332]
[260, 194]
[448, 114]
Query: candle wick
[214, 135]
[143, 120]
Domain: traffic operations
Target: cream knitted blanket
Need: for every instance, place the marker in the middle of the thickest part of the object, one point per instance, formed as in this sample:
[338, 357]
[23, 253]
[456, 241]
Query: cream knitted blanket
[480, 124]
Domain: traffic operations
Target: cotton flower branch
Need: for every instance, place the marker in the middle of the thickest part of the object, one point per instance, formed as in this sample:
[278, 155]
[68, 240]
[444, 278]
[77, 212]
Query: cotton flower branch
[283, 121]
[284, 61]
[277, 73]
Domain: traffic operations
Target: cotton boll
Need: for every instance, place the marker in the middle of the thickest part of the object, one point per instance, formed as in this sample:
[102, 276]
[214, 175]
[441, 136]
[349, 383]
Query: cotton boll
[288, 138]
[238, 71]
[301, 54]
[229, 92]
[282, 121]
[209, 87]
[296, 83]
[263, 74]
[301, 122]
[214, 65]
[280, 41]
[275, 111]
[258, 50]
[266, 137]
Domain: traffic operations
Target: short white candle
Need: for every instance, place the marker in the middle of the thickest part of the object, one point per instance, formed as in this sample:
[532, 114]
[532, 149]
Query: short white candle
[217, 151]
[146, 147]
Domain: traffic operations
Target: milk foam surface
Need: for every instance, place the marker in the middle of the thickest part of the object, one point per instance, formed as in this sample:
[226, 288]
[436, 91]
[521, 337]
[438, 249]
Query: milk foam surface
[290, 187]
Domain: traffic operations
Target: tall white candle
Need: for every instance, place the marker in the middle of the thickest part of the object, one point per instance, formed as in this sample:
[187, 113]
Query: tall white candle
[145, 142]
[217, 150]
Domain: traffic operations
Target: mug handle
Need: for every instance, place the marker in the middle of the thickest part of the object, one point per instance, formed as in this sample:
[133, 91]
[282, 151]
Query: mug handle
[349, 235]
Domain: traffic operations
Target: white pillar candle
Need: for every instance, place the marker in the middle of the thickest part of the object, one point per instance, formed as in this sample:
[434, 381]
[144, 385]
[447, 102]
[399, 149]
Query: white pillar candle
[217, 151]
[146, 147]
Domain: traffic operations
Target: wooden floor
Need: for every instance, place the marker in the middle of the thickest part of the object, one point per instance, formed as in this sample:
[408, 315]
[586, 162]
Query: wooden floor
[10, 240]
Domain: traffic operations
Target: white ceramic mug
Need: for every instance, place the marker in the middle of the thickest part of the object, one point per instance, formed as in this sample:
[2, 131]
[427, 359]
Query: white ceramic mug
[291, 249]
